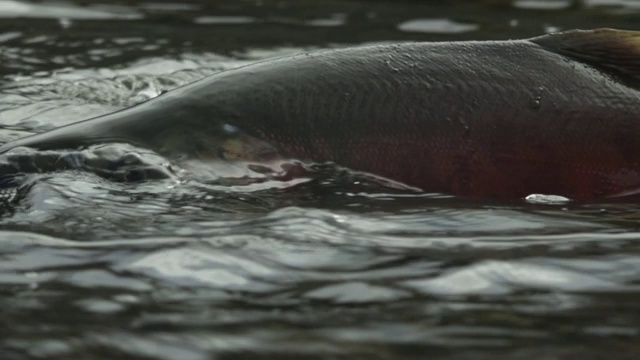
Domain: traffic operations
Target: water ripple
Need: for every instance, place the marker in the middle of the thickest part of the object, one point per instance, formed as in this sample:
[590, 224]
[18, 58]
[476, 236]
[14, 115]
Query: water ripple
[335, 266]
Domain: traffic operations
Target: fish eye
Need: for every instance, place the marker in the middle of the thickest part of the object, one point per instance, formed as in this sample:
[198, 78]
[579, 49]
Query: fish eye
[230, 129]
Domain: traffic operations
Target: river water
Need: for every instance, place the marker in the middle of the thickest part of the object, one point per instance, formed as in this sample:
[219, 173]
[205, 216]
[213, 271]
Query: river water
[333, 268]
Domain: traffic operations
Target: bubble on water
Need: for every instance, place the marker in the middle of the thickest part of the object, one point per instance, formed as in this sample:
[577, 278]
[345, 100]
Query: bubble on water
[546, 199]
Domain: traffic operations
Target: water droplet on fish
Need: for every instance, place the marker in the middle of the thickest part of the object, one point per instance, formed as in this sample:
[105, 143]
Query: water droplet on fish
[391, 66]
[536, 103]
[537, 100]
[465, 126]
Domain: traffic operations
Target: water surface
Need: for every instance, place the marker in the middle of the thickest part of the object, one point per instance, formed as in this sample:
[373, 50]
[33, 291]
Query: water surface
[337, 267]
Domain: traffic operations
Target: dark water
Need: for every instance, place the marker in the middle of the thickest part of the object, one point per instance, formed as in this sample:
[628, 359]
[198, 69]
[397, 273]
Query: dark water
[334, 268]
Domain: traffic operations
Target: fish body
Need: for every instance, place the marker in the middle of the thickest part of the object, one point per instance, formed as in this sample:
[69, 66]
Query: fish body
[558, 114]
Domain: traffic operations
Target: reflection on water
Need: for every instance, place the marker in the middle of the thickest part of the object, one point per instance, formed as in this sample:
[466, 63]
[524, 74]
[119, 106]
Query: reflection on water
[333, 267]
[17, 9]
[436, 26]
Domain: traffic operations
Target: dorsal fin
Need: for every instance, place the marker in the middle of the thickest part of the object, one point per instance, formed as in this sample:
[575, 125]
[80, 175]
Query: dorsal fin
[609, 48]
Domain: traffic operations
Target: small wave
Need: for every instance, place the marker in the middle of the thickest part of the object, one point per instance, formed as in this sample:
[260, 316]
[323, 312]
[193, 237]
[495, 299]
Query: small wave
[506, 277]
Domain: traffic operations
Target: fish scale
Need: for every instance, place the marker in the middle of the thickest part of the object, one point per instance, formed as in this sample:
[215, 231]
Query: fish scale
[556, 114]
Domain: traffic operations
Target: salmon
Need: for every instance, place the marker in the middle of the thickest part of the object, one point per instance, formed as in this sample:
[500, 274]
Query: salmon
[556, 114]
